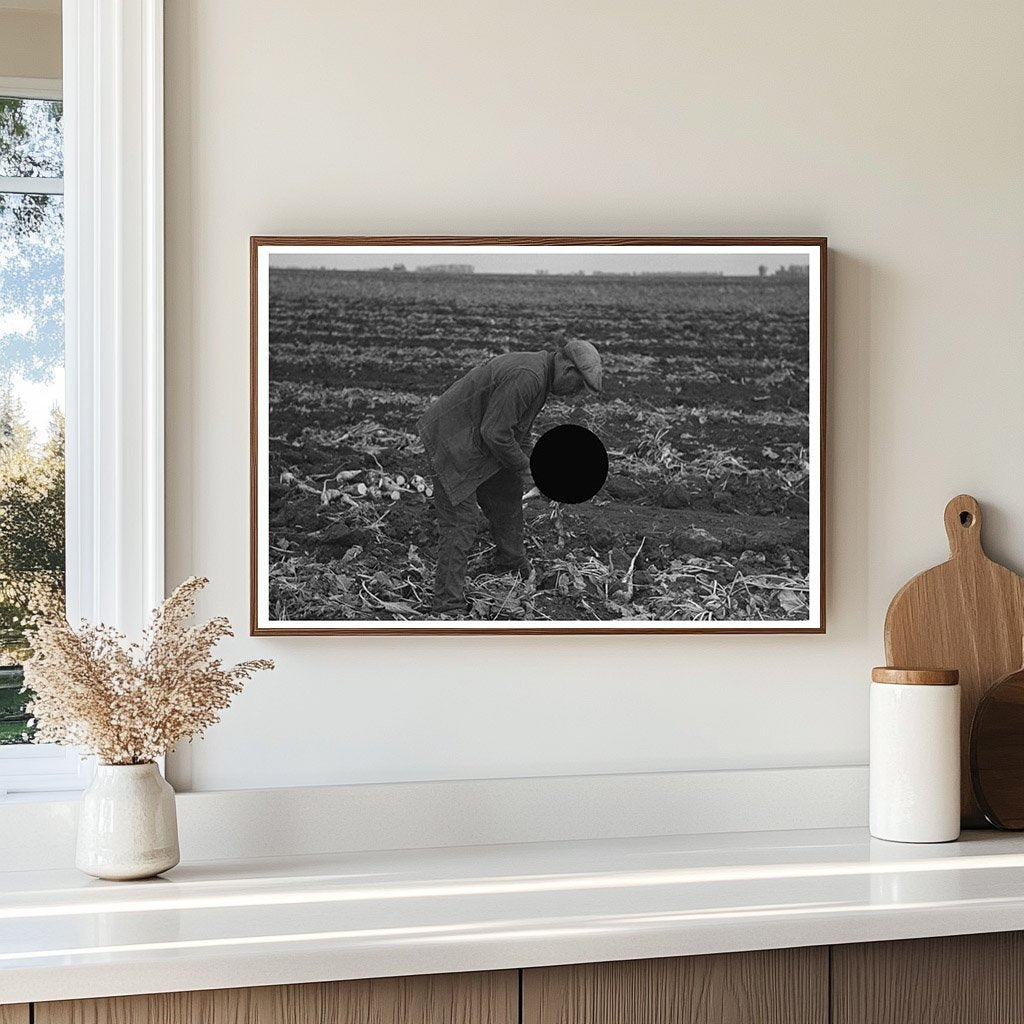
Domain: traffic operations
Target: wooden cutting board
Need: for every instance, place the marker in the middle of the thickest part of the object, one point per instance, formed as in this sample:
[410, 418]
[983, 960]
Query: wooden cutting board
[967, 614]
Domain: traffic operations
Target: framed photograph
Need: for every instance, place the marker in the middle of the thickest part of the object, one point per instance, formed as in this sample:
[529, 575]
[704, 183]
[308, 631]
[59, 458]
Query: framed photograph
[537, 435]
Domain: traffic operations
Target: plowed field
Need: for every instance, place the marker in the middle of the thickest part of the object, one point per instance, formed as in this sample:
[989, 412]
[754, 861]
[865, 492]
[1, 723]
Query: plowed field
[704, 415]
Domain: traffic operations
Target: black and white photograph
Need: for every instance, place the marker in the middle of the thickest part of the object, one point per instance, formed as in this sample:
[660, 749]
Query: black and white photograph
[537, 435]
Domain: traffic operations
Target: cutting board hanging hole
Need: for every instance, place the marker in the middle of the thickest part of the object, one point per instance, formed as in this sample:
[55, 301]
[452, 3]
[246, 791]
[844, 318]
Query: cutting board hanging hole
[963, 525]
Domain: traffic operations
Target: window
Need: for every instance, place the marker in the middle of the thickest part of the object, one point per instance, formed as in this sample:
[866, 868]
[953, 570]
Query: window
[32, 534]
[113, 331]
[31, 382]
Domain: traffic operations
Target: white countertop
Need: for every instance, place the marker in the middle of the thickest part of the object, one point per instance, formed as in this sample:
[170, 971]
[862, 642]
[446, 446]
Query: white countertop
[225, 924]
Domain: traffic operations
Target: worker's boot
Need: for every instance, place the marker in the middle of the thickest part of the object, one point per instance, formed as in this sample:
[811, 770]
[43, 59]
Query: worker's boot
[496, 567]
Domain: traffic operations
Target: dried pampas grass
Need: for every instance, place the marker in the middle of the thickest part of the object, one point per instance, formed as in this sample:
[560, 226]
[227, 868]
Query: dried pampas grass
[130, 703]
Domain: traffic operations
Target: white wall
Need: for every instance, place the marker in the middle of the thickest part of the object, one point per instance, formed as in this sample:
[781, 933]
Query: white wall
[895, 129]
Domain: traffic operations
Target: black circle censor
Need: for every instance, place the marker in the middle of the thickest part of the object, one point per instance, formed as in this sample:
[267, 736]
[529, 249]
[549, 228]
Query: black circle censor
[569, 464]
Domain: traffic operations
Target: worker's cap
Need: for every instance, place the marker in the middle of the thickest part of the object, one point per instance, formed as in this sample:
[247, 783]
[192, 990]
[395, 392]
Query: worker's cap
[587, 360]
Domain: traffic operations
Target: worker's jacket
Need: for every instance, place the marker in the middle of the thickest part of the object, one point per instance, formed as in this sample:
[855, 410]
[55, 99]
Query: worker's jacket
[479, 425]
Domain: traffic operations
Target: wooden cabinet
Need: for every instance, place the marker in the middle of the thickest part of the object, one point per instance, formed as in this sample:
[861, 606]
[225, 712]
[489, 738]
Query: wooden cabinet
[776, 986]
[966, 979]
[962, 979]
[491, 998]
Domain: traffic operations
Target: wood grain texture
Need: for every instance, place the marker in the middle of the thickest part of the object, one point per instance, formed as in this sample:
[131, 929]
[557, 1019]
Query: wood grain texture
[997, 752]
[776, 986]
[960, 979]
[14, 1014]
[915, 676]
[479, 998]
[967, 614]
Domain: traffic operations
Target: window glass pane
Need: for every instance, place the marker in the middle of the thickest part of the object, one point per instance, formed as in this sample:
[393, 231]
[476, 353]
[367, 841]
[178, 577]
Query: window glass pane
[31, 138]
[31, 431]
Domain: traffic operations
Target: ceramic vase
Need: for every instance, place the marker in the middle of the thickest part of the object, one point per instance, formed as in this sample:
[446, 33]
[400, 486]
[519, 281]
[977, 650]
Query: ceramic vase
[127, 825]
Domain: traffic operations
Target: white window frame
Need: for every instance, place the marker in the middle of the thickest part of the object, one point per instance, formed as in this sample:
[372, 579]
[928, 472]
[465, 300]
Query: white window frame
[37, 767]
[113, 174]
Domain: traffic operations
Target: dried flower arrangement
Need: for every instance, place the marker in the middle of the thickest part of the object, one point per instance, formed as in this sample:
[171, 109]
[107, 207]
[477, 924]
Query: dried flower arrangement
[130, 703]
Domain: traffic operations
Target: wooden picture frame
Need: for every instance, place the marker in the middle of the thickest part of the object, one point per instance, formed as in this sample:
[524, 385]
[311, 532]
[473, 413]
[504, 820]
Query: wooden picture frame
[713, 413]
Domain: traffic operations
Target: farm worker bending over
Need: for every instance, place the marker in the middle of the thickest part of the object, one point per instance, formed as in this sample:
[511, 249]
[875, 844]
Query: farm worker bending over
[474, 434]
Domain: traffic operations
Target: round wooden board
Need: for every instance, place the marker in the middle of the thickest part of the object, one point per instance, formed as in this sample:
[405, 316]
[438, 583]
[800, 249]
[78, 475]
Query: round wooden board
[997, 752]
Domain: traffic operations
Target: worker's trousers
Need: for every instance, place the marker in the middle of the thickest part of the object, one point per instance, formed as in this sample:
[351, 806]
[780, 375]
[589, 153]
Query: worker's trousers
[501, 498]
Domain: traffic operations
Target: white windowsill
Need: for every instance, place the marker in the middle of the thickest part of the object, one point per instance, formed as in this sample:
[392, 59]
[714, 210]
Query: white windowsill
[37, 831]
[42, 771]
[48, 797]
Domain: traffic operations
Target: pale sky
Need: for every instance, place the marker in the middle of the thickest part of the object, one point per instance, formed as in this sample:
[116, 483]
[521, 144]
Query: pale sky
[555, 263]
[38, 398]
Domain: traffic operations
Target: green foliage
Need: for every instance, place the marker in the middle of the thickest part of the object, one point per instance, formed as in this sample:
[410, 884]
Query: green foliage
[31, 548]
[14, 727]
[31, 524]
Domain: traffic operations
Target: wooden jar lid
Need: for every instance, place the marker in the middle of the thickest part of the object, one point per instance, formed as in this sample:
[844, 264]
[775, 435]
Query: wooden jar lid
[916, 676]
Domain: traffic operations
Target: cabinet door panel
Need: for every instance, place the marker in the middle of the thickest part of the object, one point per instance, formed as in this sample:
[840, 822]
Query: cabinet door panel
[14, 1014]
[776, 986]
[482, 998]
[959, 979]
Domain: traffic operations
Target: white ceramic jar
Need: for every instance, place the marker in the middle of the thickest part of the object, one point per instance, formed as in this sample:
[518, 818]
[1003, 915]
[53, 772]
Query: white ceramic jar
[127, 823]
[915, 755]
